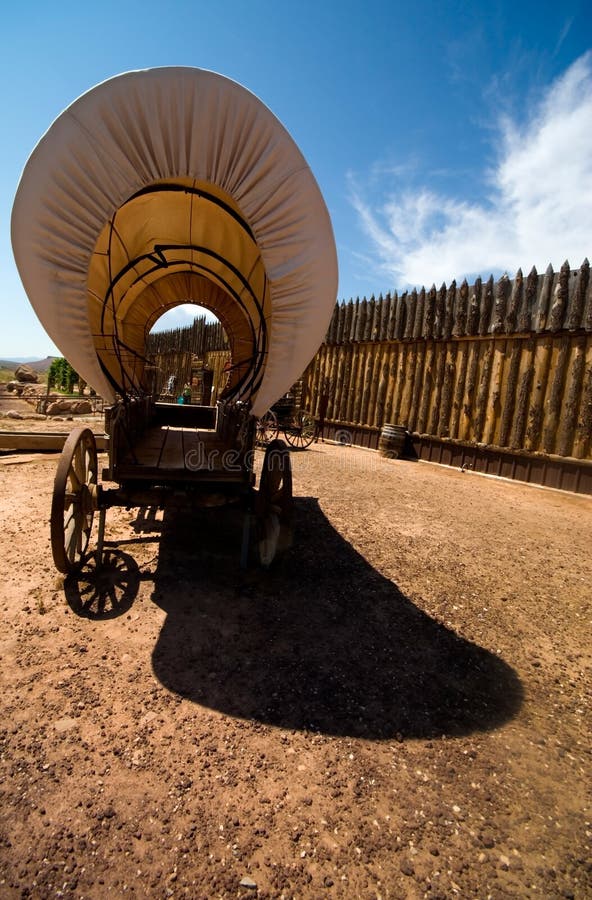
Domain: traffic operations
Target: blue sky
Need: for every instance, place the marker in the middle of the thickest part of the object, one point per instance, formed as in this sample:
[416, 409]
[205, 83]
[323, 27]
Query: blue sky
[449, 139]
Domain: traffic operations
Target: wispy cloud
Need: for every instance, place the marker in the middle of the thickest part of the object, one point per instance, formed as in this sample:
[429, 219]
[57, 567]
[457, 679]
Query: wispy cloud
[538, 210]
[563, 34]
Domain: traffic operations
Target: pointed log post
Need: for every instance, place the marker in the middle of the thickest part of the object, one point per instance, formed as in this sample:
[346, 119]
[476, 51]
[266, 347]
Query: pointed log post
[390, 328]
[486, 307]
[578, 303]
[528, 306]
[544, 300]
[366, 385]
[375, 321]
[559, 365]
[385, 306]
[360, 320]
[441, 349]
[382, 386]
[418, 315]
[501, 300]
[347, 352]
[571, 405]
[332, 329]
[401, 315]
[354, 321]
[583, 438]
[429, 376]
[514, 304]
[349, 311]
[374, 383]
[560, 298]
[319, 372]
[468, 411]
[360, 384]
[315, 389]
[402, 369]
[369, 317]
[449, 311]
[353, 391]
[429, 313]
[474, 308]
[542, 362]
[333, 400]
[524, 394]
[340, 323]
[587, 317]
[339, 377]
[482, 399]
[447, 390]
[327, 382]
[394, 351]
[494, 407]
[410, 316]
[460, 319]
[459, 390]
[440, 312]
[418, 382]
[511, 387]
[380, 312]
[410, 367]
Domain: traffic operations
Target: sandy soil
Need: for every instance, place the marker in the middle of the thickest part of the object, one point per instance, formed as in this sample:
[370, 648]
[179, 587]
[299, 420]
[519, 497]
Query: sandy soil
[399, 708]
[29, 420]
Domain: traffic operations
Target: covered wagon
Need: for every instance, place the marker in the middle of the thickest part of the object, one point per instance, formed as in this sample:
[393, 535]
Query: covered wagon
[158, 188]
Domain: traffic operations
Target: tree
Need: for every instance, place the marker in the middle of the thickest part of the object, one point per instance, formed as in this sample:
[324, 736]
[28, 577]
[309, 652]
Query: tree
[61, 375]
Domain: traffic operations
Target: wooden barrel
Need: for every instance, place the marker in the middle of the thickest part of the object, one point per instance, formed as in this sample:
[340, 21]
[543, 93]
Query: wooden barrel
[392, 441]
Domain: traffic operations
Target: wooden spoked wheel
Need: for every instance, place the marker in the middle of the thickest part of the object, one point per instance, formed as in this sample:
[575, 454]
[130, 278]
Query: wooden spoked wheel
[274, 503]
[301, 432]
[74, 500]
[267, 428]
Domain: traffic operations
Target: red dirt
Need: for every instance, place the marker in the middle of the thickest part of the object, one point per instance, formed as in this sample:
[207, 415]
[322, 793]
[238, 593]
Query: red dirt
[399, 708]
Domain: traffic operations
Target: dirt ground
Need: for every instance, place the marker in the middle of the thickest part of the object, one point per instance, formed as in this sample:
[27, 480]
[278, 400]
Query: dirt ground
[400, 708]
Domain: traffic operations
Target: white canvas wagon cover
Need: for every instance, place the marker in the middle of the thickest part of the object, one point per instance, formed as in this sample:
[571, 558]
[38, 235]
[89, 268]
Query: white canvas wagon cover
[168, 186]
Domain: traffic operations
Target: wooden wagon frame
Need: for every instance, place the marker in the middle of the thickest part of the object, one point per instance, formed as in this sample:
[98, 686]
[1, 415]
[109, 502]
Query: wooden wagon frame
[163, 455]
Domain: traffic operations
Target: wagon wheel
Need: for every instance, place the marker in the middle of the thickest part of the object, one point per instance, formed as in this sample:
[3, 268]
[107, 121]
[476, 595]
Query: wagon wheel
[301, 432]
[267, 428]
[274, 503]
[74, 500]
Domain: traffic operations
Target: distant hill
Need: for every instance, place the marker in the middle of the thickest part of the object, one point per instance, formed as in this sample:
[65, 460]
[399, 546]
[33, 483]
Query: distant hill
[38, 365]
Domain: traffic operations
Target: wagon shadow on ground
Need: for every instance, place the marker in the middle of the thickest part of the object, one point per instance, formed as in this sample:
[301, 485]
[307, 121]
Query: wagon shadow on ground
[105, 592]
[321, 643]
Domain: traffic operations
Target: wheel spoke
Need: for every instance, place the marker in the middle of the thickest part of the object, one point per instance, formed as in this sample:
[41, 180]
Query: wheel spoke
[74, 477]
[91, 471]
[71, 540]
[71, 518]
[79, 531]
[78, 464]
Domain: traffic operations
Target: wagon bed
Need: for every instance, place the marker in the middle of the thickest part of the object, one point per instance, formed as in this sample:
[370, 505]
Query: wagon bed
[179, 443]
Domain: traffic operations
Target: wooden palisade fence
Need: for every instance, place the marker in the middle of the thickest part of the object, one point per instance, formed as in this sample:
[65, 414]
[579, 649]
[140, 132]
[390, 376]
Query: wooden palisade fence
[493, 376]
[175, 352]
[503, 366]
[197, 338]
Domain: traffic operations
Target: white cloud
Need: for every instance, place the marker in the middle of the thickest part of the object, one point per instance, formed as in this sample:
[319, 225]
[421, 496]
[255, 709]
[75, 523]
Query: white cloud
[181, 316]
[539, 209]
